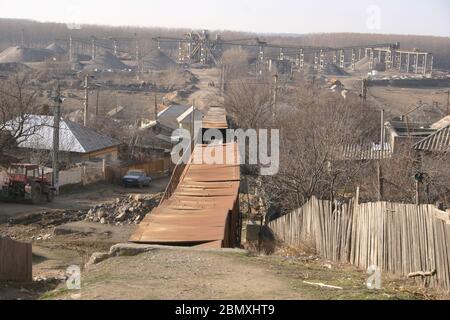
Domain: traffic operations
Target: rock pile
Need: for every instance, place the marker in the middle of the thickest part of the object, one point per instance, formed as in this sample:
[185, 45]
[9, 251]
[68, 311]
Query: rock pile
[129, 210]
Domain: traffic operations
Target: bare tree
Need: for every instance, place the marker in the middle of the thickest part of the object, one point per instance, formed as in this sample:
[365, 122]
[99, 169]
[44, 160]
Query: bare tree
[249, 104]
[17, 103]
[235, 63]
[313, 133]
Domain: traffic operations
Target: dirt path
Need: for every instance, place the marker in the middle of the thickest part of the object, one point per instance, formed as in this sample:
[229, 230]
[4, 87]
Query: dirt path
[181, 273]
[206, 93]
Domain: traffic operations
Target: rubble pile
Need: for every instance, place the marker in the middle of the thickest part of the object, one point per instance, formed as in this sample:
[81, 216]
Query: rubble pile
[129, 210]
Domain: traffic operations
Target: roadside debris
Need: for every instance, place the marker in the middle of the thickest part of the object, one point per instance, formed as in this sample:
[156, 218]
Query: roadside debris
[422, 274]
[322, 285]
[129, 210]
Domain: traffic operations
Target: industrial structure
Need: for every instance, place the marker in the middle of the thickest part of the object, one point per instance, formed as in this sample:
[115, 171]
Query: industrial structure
[200, 48]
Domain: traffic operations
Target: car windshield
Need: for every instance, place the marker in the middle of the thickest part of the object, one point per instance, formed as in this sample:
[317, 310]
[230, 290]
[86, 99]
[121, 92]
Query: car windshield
[135, 173]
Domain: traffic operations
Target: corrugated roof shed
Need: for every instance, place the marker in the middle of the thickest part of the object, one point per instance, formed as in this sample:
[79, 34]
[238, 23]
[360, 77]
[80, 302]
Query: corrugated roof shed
[437, 142]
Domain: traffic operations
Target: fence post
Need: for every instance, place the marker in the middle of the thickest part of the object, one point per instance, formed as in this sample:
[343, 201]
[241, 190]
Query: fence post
[104, 169]
[83, 175]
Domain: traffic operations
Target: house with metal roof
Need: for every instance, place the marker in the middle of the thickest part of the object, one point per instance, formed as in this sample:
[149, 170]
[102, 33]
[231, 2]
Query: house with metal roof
[169, 115]
[438, 142]
[76, 143]
[366, 151]
[400, 132]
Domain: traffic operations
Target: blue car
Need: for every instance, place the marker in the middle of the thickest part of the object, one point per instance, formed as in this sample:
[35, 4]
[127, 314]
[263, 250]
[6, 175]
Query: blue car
[136, 178]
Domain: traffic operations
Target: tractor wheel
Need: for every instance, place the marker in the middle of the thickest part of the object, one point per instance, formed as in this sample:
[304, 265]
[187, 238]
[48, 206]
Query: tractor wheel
[36, 194]
[50, 195]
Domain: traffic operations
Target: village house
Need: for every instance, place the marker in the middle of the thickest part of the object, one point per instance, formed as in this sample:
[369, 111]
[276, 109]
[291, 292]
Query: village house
[399, 133]
[77, 143]
[436, 143]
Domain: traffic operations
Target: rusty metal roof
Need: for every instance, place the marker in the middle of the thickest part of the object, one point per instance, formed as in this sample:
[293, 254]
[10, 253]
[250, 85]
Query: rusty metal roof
[437, 142]
[215, 118]
[196, 213]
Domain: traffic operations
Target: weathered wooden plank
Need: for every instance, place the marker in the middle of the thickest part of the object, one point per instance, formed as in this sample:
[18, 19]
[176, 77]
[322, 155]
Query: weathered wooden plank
[15, 261]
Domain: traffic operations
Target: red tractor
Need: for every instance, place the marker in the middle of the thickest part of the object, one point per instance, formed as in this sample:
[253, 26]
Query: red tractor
[27, 182]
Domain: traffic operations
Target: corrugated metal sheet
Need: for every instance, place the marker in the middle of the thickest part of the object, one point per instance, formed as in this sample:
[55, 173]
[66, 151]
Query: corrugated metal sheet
[73, 137]
[441, 123]
[216, 118]
[437, 142]
[366, 152]
[197, 211]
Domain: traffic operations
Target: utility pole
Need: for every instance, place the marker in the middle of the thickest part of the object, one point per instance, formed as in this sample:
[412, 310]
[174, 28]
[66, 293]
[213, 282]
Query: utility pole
[382, 138]
[86, 100]
[364, 89]
[137, 57]
[56, 125]
[96, 105]
[156, 108]
[448, 102]
[275, 97]
[417, 192]
[70, 48]
[379, 169]
[93, 48]
[23, 38]
[222, 82]
[115, 47]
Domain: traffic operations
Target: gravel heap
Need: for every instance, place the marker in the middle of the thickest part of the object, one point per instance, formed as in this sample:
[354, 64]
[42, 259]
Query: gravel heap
[56, 49]
[129, 210]
[157, 60]
[106, 61]
[23, 54]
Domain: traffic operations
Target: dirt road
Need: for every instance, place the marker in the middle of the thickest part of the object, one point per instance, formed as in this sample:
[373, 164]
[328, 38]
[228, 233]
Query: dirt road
[206, 94]
[79, 199]
[181, 273]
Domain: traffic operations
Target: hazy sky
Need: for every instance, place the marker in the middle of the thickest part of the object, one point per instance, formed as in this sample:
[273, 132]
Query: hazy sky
[425, 17]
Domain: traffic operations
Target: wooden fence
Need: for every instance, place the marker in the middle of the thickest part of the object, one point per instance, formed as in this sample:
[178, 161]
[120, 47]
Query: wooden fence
[15, 261]
[401, 239]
